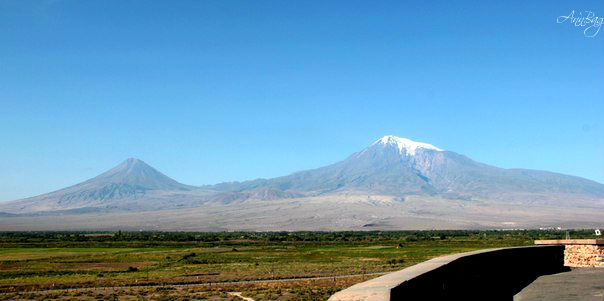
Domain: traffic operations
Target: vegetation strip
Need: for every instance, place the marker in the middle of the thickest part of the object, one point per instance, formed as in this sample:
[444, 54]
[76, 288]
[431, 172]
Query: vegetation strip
[210, 283]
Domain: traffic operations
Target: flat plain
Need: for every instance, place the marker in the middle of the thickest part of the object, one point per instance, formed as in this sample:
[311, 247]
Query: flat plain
[222, 266]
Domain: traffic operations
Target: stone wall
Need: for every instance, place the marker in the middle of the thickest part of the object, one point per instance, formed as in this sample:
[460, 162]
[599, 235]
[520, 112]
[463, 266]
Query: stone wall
[583, 255]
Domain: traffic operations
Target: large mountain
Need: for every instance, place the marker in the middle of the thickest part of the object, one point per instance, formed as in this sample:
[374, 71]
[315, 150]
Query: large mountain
[393, 183]
[398, 166]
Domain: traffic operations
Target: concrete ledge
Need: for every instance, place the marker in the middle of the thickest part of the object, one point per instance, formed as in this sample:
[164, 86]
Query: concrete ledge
[492, 274]
[570, 242]
[378, 289]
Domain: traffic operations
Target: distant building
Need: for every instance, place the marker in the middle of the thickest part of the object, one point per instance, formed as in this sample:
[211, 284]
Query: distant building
[97, 234]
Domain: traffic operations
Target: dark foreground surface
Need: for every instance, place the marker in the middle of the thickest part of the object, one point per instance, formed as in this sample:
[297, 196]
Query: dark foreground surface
[578, 284]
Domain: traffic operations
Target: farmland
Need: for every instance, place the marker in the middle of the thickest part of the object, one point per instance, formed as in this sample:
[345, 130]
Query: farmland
[222, 266]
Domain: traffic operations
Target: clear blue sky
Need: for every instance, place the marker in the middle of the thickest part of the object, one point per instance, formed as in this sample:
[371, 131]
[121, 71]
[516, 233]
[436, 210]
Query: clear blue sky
[211, 91]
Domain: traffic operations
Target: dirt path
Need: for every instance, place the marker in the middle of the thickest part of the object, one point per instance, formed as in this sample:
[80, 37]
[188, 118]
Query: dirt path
[238, 294]
[203, 283]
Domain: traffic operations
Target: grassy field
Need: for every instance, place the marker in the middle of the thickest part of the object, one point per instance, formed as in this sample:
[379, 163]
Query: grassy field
[211, 266]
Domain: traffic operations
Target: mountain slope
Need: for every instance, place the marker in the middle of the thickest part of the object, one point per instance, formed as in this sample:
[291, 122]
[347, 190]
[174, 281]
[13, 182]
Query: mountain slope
[136, 173]
[132, 179]
[400, 167]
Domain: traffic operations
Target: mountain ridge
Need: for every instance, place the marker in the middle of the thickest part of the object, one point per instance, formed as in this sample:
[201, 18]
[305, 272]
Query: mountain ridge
[384, 168]
[391, 166]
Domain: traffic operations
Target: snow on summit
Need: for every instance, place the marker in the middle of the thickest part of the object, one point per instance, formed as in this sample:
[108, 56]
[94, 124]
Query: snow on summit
[408, 145]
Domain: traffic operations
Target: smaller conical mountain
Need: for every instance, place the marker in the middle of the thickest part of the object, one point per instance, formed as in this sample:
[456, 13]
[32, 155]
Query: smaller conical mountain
[131, 179]
[138, 175]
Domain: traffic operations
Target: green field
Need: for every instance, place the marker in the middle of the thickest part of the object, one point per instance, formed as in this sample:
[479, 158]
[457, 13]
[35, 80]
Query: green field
[209, 266]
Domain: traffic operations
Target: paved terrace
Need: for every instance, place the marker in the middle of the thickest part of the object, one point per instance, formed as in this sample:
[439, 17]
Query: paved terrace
[585, 284]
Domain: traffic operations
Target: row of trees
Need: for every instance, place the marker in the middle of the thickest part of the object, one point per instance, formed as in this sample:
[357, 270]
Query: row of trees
[309, 236]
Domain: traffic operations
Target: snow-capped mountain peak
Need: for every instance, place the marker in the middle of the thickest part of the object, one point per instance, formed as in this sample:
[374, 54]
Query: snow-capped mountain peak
[405, 145]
